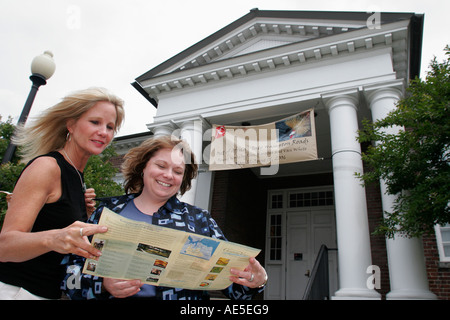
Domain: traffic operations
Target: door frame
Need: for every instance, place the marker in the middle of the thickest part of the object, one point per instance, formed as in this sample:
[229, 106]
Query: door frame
[276, 259]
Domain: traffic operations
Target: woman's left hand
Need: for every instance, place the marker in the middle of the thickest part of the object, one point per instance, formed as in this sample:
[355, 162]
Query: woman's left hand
[253, 276]
[89, 196]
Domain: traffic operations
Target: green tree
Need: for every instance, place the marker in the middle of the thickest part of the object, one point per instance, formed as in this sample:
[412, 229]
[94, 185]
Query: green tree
[9, 171]
[99, 174]
[8, 176]
[415, 162]
[6, 132]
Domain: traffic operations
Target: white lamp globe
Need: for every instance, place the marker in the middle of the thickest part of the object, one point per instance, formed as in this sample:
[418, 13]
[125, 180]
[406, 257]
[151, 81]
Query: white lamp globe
[43, 65]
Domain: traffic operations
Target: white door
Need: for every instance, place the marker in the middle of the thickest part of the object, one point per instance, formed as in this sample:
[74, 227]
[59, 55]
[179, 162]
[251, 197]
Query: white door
[296, 231]
[298, 254]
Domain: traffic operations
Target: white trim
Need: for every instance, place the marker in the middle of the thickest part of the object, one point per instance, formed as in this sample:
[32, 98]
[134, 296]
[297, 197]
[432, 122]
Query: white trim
[440, 243]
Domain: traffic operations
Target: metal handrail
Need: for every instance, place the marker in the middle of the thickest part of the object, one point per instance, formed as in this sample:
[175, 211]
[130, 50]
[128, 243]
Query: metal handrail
[318, 287]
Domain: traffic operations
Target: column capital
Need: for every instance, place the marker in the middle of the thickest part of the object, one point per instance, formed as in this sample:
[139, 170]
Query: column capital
[391, 90]
[348, 97]
[185, 122]
[394, 84]
[173, 127]
[162, 128]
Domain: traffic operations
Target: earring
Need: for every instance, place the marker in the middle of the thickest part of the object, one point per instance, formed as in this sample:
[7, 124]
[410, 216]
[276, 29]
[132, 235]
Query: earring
[68, 136]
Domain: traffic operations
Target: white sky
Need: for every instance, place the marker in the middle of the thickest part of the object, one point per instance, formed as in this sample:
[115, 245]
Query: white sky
[109, 43]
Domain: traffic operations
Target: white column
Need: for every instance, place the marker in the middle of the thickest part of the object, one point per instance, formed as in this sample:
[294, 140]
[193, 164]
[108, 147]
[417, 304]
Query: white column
[352, 225]
[407, 270]
[192, 133]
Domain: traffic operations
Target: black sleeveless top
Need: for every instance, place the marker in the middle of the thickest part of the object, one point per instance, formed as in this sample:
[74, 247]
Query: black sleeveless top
[42, 275]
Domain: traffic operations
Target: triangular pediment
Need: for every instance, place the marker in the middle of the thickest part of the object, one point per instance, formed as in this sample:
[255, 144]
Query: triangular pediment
[261, 43]
[270, 40]
[259, 35]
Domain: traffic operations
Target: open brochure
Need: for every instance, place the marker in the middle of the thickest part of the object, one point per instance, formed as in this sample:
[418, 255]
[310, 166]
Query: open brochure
[164, 257]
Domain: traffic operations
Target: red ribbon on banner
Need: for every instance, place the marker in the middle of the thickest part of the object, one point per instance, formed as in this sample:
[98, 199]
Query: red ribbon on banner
[220, 132]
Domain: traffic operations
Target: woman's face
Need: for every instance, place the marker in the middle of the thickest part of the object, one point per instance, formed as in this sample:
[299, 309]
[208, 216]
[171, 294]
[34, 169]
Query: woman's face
[163, 174]
[94, 130]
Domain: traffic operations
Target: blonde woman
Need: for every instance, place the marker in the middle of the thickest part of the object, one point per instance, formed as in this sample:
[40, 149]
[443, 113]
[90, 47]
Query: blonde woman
[43, 220]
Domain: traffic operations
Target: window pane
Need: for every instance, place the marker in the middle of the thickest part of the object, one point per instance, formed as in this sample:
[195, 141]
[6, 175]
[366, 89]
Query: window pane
[445, 233]
[276, 201]
[273, 243]
[278, 255]
[272, 231]
[447, 250]
[272, 255]
[311, 199]
[443, 241]
[275, 237]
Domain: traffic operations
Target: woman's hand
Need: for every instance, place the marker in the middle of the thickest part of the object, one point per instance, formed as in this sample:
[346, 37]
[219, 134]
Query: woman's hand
[89, 196]
[253, 276]
[73, 239]
[122, 288]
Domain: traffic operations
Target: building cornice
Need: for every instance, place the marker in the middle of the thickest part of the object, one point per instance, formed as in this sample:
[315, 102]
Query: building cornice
[312, 41]
[296, 54]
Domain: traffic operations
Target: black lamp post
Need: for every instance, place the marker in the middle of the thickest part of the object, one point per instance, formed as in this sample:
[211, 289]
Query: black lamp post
[42, 68]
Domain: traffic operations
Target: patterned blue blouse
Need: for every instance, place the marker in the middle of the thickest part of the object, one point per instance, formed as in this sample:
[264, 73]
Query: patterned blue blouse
[173, 214]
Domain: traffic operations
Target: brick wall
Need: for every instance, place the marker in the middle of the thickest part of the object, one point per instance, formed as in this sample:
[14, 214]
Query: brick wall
[219, 197]
[377, 242]
[438, 272]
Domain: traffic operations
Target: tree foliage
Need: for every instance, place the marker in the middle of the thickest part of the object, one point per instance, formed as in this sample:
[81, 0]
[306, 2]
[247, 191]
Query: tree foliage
[99, 174]
[414, 163]
[6, 132]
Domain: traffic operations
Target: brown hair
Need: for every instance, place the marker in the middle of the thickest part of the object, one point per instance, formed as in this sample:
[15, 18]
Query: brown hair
[136, 159]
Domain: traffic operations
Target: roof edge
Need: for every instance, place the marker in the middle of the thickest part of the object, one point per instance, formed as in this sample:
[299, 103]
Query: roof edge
[386, 17]
[416, 36]
[141, 90]
[183, 54]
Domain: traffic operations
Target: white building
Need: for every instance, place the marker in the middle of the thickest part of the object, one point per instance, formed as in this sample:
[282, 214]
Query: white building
[269, 65]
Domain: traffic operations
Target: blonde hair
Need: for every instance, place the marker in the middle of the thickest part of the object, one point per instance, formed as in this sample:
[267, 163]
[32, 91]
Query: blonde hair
[136, 159]
[49, 131]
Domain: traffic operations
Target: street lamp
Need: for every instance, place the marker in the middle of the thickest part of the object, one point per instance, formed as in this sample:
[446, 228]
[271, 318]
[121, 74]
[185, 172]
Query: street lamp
[42, 68]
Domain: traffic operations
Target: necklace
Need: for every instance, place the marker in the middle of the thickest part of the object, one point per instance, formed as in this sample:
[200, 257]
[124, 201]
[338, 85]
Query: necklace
[83, 185]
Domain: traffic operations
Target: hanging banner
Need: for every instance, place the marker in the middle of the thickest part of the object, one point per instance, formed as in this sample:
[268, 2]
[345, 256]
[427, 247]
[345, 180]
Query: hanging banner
[289, 140]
